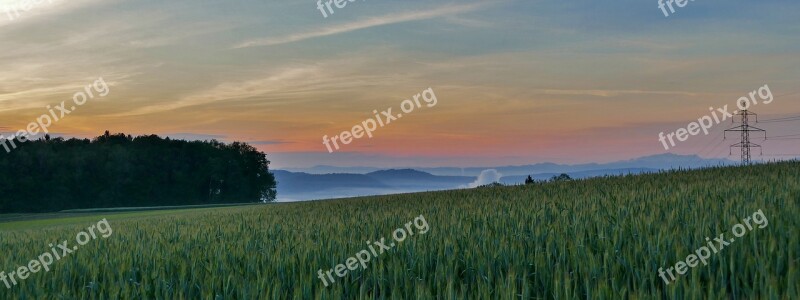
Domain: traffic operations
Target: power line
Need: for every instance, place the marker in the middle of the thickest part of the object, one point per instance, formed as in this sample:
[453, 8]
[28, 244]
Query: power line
[715, 150]
[784, 118]
[703, 150]
[699, 155]
[781, 120]
[792, 93]
[792, 117]
[745, 130]
[780, 136]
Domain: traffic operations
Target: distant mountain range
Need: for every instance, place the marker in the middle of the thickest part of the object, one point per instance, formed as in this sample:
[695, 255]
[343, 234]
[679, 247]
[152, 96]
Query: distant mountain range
[323, 182]
[658, 162]
[295, 186]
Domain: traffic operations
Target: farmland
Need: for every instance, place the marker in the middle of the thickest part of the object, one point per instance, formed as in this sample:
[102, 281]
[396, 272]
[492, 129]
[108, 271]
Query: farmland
[602, 238]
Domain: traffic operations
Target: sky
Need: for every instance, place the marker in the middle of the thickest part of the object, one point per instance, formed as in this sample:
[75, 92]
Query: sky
[516, 81]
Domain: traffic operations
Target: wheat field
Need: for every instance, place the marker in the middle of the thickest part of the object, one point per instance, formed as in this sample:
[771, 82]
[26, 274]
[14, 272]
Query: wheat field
[601, 238]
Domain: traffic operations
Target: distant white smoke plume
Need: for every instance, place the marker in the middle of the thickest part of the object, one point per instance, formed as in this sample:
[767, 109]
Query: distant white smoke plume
[486, 177]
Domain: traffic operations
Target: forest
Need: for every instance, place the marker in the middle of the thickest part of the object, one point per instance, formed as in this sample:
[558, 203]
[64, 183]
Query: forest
[118, 170]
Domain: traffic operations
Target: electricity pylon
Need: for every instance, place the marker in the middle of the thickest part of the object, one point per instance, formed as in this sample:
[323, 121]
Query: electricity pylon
[745, 130]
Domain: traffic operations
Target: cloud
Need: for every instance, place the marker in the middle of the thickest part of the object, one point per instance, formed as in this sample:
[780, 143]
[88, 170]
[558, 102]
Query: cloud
[269, 142]
[617, 93]
[13, 12]
[486, 177]
[231, 91]
[363, 24]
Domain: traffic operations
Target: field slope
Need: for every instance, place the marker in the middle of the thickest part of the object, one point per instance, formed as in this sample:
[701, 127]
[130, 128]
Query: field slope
[601, 238]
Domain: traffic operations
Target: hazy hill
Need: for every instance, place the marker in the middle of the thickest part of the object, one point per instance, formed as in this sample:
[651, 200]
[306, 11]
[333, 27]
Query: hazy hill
[657, 162]
[413, 178]
[304, 186]
[309, 184]
[291, 183]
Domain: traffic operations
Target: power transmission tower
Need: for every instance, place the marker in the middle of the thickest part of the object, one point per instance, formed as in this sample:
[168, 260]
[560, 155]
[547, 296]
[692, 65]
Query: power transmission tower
[745, 130]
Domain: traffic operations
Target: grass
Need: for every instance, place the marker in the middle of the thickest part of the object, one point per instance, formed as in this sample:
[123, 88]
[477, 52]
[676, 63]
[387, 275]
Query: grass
[35, 221]
[601, 238]
[122, 209]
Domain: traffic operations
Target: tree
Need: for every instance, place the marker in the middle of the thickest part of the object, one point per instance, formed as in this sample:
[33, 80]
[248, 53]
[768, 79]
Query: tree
[562, 177]
[118, 170]
[529, 180]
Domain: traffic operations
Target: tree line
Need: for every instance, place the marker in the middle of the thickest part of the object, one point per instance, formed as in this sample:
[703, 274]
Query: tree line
[53, 174]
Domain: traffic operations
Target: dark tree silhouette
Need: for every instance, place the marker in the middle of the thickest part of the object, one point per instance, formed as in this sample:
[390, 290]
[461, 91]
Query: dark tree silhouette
[562, 177]
[529, 180]
[118, 170]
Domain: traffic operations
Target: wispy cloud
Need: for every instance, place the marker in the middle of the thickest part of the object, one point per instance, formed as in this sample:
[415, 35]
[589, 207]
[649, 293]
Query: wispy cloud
[616, 93]
[229, 91]
[14, 12]
[367, 23]
[269, 142]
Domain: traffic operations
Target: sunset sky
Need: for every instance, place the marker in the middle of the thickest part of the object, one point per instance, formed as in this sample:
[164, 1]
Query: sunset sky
[517, 82]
